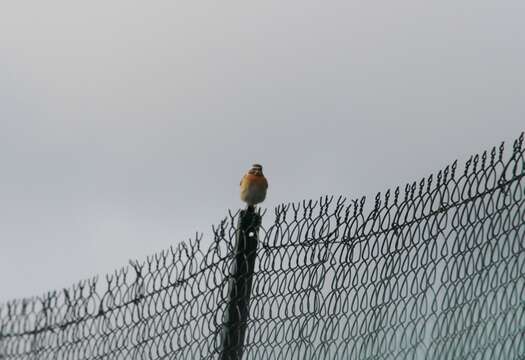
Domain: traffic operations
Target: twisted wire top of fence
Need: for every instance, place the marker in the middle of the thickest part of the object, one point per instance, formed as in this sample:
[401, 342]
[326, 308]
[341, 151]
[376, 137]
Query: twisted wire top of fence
[433, 270]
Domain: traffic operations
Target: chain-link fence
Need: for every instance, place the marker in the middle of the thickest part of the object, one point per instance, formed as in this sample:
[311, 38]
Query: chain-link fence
[434, 270]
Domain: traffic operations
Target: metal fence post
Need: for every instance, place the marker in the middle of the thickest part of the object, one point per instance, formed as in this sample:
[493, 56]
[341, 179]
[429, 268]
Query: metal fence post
[240, 285]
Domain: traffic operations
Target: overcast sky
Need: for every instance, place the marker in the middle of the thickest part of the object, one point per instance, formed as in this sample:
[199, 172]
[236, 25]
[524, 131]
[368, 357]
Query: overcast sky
[125, 126]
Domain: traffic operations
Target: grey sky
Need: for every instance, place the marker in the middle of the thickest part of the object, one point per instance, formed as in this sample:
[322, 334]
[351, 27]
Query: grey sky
[125, 126]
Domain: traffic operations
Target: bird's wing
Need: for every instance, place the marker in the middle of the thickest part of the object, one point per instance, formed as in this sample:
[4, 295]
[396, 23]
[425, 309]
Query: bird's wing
[240, 183]
[265, 183]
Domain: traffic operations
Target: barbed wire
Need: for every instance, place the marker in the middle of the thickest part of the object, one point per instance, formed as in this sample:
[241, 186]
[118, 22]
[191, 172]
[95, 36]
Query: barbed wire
[434, 270]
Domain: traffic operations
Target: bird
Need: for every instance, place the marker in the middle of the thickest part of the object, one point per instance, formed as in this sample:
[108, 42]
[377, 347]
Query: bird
[253, 186]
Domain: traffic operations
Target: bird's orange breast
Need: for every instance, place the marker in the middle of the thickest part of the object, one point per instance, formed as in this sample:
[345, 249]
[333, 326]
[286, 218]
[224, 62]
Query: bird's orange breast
[253, 189]
[250, 179]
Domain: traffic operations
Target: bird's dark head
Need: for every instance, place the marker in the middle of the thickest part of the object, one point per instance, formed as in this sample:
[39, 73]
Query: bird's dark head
[256, 169]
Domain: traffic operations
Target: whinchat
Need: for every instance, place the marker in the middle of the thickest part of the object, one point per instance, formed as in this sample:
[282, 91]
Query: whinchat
[253, 186]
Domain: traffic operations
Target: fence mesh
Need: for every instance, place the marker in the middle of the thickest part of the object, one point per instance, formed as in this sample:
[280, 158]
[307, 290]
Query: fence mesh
[434, 270]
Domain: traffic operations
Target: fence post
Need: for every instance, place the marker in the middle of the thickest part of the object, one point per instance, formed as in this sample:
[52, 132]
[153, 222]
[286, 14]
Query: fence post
[240, 285]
